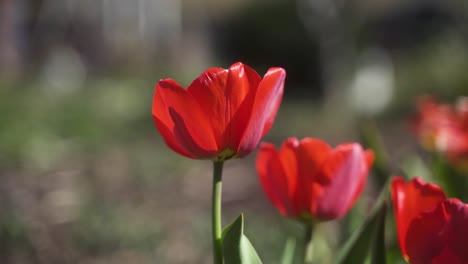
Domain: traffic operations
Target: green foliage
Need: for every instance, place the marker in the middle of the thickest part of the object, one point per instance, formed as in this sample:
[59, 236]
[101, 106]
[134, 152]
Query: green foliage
[237, 248]
[368, 235]
[12, 232]
[101, 229]
[378, 251]
[289, 250]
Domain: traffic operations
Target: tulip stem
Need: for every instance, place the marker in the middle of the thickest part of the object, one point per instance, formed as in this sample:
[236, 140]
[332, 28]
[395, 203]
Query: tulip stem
[308, 245]
[216, 211]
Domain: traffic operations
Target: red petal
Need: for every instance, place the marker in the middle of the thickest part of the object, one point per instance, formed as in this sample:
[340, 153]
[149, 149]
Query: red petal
[447, 256]
[265, 106]
[409, 200]
[311, 155]
[276, 105]
[273, 178]
[181, 121]
[457, 239]
[439, 236]
[171, 140]
[241, 88]
[345, 173]
[425, 238]
[289, 161]
[369, 159]
[226, 97]
[208, 91]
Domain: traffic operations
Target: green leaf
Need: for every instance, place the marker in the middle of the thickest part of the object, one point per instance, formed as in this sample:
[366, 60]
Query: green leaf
[357, 248]
[237, 248]
[288, 253]
[378, 249]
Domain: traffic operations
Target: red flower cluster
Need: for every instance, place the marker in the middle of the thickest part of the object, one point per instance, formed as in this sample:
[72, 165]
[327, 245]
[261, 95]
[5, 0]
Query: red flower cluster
[309, 180]
[431, 228]
[223, 114]
[443, 128]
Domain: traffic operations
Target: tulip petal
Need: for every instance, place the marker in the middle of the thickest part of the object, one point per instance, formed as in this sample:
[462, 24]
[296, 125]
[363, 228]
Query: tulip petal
[288, 158]
[208, 91]
[457, 239]
[181, 121]
[311, 155]
[241, 89]
[424, 240]
[265, 106]
[369, 159]
[447, 256]
[411, 199]
[226, 96]
[275, 104]
[346, 169]
[171, 140]
[439, 236]
[273, 179]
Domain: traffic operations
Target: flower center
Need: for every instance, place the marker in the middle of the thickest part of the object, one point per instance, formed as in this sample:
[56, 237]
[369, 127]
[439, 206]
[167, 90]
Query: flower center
[225, 155]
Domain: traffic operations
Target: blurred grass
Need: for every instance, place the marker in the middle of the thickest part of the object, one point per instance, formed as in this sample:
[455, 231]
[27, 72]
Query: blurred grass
[102, 229]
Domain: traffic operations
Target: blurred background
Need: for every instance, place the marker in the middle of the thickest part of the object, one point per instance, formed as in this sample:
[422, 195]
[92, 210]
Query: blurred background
[86, 178]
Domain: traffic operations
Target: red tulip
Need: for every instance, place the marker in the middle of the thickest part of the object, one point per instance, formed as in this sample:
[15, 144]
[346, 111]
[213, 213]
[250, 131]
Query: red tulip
[431, 228]
[443, 127]
[223, 114]
[308, 179]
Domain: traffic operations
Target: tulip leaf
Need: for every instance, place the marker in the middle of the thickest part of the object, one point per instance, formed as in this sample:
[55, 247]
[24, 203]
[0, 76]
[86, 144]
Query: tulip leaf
[370, 234]
[288, 253]
[378, 255]
[237, 248]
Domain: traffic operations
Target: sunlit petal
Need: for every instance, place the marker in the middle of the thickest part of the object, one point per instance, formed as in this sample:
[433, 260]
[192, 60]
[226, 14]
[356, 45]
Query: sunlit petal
[181, 120]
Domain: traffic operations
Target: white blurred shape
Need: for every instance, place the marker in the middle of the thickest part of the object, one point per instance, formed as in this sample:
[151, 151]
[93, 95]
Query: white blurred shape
[462, 104]
[63, 72]
[62, 205]
[373, 84]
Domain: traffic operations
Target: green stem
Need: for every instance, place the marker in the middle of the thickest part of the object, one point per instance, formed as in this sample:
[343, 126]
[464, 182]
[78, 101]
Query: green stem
[216, 211]
[308, 245]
